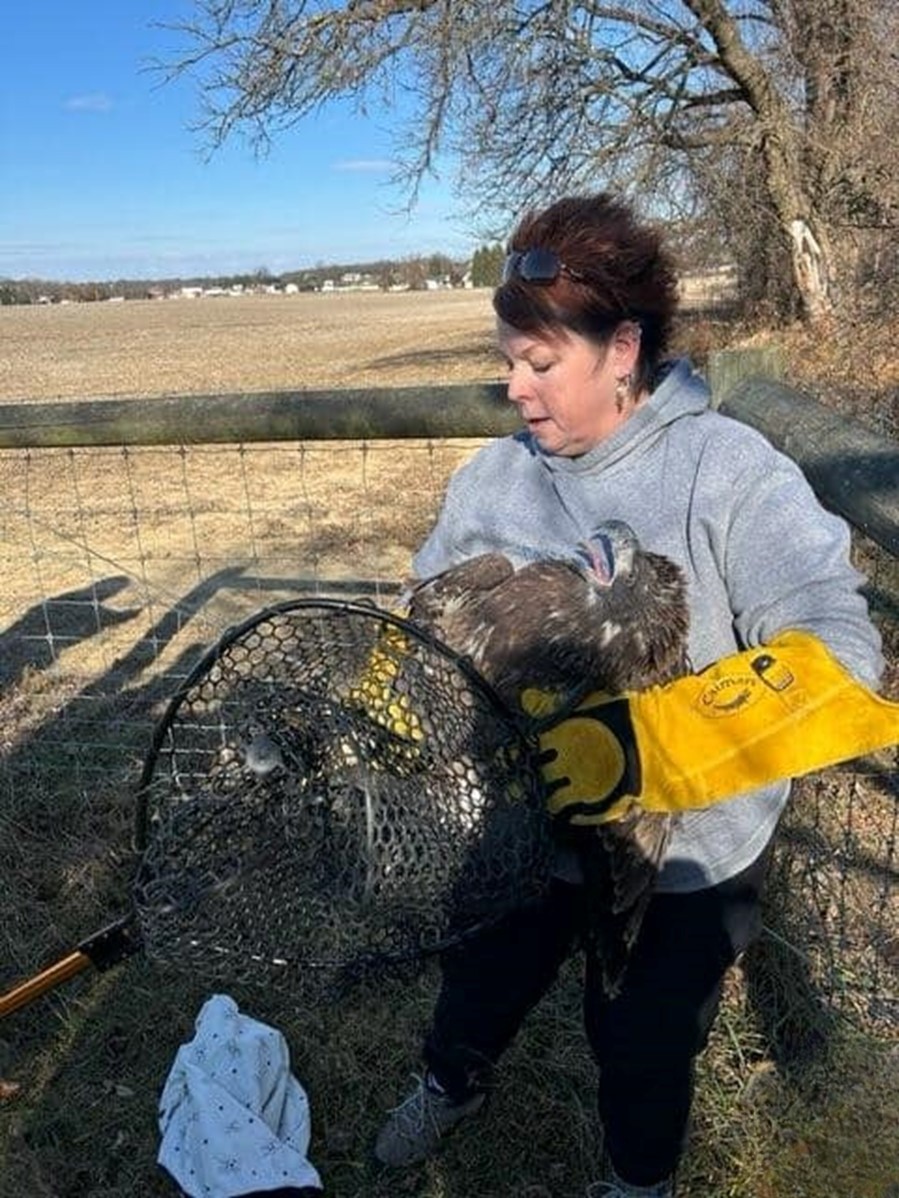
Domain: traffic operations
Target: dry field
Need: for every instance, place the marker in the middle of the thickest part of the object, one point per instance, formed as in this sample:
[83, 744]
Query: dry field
[253, 343]
[116, 565]
[161, 521]
[164, 520]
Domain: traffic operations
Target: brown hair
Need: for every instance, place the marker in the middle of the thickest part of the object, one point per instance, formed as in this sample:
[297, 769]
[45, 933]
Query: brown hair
[624, 274]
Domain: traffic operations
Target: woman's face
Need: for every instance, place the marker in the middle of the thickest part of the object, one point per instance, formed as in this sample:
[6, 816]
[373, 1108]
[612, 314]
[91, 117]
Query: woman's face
[566, 387]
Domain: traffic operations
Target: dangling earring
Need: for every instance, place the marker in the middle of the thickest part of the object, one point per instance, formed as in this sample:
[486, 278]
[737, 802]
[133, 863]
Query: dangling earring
[623, 389]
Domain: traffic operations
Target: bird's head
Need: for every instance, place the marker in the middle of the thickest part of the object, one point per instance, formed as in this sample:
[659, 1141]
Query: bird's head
[609, 553]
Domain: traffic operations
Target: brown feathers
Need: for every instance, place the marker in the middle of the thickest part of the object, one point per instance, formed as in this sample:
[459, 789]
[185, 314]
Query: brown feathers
[613, 622]
[610, 617]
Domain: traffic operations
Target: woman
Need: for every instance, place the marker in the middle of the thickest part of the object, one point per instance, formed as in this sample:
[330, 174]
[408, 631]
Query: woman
[614, 431]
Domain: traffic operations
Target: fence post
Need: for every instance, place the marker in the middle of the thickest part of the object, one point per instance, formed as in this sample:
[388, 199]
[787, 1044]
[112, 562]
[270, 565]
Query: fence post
[728, 367]
[853, 470]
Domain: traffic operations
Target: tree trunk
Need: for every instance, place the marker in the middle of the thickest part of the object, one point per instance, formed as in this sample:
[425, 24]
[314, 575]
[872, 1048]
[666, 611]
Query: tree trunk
[784, 152]
[811, 269]
[812, 265]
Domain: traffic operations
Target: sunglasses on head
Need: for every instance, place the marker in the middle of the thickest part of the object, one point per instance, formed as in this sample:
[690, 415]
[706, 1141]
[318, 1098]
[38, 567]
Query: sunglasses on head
[537, 266]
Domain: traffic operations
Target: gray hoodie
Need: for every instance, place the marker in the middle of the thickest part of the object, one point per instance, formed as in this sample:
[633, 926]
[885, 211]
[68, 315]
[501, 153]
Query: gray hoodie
[759, 552]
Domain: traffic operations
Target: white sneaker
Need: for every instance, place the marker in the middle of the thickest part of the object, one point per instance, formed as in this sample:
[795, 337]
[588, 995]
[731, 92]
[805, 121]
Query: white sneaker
[414, 1129]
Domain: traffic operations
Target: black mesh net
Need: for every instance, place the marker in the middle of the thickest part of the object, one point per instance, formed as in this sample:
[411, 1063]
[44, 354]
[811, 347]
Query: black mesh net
[331, 793]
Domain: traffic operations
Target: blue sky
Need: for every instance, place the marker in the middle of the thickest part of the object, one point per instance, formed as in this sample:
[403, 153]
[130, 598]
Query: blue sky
[102, 178]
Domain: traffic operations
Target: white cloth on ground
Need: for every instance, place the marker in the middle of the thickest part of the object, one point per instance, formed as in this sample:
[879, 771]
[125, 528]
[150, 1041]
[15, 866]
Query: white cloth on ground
[232, 1116]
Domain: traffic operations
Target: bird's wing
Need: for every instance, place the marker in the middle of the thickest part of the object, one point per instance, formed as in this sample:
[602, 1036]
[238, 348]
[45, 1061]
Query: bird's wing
[487, 611]
[457, 587]
[520, 630]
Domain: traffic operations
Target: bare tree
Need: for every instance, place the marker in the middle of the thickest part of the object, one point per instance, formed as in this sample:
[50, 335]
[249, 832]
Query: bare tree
[660, 98]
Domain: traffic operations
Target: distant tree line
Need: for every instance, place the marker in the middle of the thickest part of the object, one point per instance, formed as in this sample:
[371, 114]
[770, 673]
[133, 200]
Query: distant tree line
[412, 273]
[487, 265]
[695, 242]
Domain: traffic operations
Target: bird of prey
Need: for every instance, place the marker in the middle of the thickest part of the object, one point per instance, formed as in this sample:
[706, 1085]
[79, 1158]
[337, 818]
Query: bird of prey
[608, 616]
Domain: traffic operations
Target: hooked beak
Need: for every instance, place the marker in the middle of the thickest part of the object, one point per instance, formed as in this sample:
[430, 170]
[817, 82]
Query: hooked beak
[600, 557]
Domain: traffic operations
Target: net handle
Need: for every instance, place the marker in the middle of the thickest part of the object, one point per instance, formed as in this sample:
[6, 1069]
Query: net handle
[102, 950]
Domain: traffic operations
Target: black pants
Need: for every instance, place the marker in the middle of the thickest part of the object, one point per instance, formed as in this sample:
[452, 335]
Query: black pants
[644, 1041]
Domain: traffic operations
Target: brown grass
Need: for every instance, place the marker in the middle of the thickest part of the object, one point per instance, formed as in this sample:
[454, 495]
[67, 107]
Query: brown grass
[849, 365]
[149, 529]
[165, 518]
[251, 343]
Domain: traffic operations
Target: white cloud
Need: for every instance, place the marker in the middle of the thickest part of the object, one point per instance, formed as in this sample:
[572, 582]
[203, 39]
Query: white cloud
[89, 102]
[364, 165]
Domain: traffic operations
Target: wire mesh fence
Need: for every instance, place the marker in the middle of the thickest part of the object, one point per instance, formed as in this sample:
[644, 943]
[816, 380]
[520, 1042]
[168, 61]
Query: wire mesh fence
[119, 563]
[832, 913]
[122, 565]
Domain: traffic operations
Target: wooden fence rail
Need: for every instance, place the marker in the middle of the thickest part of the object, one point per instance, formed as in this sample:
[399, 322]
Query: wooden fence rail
[471, 410]
[853, 470]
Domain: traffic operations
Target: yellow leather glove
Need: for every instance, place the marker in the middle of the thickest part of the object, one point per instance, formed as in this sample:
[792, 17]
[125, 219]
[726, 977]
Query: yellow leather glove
[777, 711]
[376, 691]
